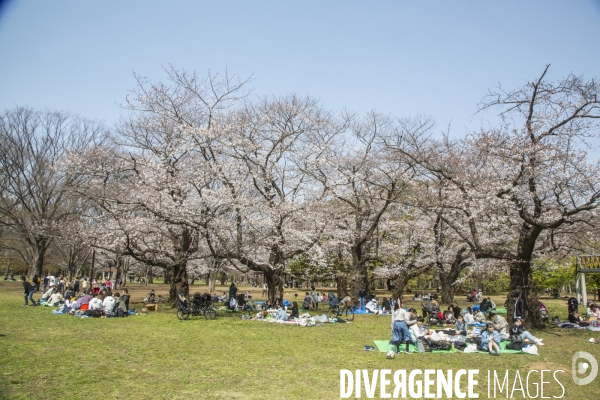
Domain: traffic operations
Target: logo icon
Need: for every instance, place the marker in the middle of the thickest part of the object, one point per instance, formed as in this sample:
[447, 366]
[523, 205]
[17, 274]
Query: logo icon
[591, 366]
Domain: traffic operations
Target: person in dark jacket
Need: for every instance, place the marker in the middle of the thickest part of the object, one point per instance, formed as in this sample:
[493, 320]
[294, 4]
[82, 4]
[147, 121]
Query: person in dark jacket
[232, 291]
[519, 306]
[125, 297]
[295, 313]
[28, 290]
[518, 333]
[76, 286]
[485, 305]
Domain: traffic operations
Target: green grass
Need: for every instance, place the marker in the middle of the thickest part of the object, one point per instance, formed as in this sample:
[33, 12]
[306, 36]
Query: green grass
[46, 356]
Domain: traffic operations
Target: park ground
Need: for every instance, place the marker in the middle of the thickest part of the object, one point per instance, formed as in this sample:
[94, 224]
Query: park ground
[156, 356]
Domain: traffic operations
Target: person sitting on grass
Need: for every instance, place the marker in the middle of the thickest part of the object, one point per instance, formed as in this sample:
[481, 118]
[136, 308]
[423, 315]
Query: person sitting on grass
[55, 300]
[574, 318]
[491, 303]
[307, 302]
[518, 333]
[449, 316]
[479, 316]
[108, 305]
[484, 306]
[469, 318]
[120, 308]
[417, 330]
[372, 306]
[46, 295]
[490, 340]
[223, 297]
[498, 321]
[295, 310]
[281, 314]
[385, 306]
[461, 326]
[150, 297]
[95, 303]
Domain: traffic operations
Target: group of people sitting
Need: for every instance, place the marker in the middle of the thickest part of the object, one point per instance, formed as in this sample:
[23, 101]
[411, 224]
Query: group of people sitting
[90, 303]
[592, 314]
[408, 327]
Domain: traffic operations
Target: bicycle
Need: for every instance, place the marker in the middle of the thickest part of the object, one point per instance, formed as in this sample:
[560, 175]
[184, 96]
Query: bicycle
[199, 307]
[345, 309]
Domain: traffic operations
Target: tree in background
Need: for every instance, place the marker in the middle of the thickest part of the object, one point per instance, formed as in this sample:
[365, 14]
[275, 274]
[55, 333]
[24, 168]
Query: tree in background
[33, 145]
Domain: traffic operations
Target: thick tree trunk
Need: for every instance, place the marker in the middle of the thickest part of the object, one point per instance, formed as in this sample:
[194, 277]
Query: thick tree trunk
[38, 263]
[168, 276]
[342, 286]
[447, 292]
[521, 281]
[179, 283]
[274, 279]
[212, 279]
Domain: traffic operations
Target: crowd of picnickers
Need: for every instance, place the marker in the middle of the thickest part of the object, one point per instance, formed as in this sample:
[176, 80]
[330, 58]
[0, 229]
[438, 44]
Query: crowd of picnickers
[81, 296]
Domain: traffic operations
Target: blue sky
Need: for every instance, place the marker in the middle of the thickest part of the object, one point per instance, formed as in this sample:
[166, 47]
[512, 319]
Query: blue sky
[428, 57]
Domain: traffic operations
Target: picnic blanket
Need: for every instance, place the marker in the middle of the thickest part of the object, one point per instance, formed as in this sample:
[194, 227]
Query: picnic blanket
[384, 345]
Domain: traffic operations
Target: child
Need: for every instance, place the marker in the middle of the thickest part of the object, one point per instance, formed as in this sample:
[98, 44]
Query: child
[490, 340]
[417, 331]
[401, 319]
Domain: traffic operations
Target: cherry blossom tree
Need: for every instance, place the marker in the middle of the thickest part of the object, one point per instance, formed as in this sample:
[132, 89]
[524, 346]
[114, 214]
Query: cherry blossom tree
[516, 190]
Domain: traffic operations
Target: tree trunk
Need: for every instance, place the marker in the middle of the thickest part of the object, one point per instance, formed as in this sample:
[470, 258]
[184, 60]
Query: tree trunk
[342, 286]
[447, 292]
[274, 279]
[168, 276]
[212, 279]
[521, 281]
[38, 263]
[179, 283]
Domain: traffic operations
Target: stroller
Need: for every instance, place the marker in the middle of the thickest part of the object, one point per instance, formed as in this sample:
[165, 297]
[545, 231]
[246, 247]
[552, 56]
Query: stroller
[544, 312]
[573, 304]
[430, 314]
[333, 300]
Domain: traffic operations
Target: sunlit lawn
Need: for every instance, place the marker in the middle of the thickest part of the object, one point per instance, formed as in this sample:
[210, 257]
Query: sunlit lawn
[50, 356]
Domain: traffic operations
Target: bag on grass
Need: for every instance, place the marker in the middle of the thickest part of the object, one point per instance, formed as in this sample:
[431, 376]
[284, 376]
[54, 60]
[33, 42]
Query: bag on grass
[515, 346]
[425, 344]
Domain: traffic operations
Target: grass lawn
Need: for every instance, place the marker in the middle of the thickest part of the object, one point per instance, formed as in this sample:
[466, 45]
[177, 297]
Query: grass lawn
[46, 356]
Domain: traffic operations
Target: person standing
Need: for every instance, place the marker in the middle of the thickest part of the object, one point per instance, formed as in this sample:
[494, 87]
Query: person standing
[76, 286]
[361, 298]
[519, 312]
[264, 289]
[315, 298]
[232, 291]
[45, 283]
[28, 290]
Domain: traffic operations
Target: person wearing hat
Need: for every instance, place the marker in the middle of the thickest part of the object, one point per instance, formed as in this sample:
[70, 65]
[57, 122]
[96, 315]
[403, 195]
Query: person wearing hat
[518, 332]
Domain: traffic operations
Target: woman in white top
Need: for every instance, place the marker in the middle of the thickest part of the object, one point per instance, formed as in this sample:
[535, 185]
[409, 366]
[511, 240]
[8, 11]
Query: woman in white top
[469, 318]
